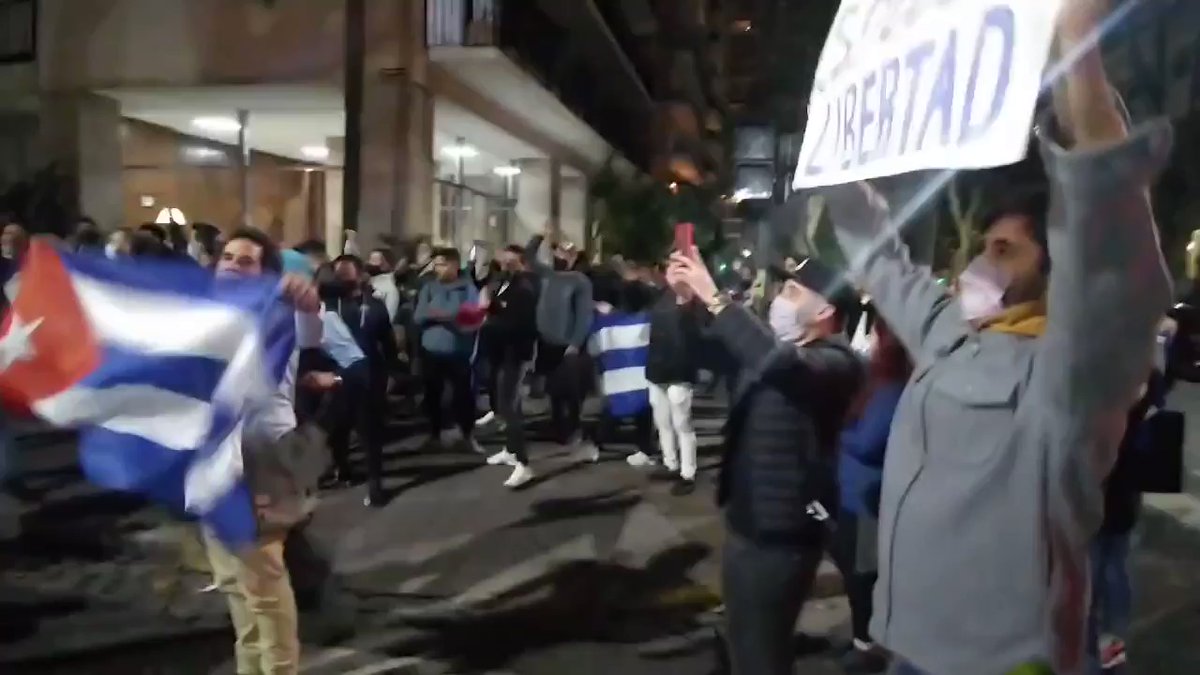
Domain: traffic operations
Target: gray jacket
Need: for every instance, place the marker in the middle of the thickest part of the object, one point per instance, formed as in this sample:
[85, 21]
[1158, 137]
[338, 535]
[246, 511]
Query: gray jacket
[992, 483]
[564, 308]
[441, 334]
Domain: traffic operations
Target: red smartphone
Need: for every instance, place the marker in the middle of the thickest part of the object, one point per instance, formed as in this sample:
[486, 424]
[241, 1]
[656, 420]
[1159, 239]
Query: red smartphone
[685, 237]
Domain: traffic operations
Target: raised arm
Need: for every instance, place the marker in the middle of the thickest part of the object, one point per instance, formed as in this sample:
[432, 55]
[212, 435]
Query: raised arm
[1108, 287]
[907, 296]
[531, 256]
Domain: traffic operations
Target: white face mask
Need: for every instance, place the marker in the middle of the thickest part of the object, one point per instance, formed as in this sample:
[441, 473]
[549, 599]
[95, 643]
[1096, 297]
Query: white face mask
[981, 289]
[863, 341]
[110, 251]
[784, 318]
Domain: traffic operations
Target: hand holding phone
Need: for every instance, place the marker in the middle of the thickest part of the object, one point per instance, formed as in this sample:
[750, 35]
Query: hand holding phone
[685, 237]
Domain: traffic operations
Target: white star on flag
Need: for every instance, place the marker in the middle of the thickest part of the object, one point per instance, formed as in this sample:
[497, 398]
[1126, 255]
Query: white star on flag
[15, 345]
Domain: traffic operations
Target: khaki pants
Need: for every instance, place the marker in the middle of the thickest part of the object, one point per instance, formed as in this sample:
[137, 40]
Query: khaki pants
[261, 605]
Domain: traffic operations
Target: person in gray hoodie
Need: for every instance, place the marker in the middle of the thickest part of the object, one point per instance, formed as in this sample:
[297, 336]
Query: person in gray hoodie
[447, 345]
[992, 485]
[564, 321]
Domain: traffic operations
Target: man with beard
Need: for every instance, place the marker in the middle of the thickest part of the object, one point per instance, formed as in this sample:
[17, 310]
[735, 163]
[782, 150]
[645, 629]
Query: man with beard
[368, 321]
[992, 483]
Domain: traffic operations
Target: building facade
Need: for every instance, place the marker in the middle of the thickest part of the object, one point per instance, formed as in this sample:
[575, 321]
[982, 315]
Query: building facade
[471, 122]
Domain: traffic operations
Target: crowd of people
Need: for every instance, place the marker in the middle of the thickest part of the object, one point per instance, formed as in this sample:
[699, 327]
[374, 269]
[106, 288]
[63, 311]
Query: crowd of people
[965, 460]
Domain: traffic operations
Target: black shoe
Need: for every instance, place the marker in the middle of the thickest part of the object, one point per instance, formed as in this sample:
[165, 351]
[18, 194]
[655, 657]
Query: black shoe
[683, 487]
[377, 501]
[864, 662]
[662, 474]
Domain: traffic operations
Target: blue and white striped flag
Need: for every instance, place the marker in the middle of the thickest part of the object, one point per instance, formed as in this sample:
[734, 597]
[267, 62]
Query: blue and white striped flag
[157, 364]
[620, 343]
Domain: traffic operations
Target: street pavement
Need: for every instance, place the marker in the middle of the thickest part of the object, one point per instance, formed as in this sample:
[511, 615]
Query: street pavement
[593, 569]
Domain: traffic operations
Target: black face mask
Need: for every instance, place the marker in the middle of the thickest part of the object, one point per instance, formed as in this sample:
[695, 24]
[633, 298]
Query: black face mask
[340, 288]
[374, 270]
[560, 265]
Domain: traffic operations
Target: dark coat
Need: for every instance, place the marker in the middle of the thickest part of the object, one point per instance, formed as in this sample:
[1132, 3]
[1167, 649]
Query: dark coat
[673, 354]
[782, 432]
[510, 331]
[368, 320]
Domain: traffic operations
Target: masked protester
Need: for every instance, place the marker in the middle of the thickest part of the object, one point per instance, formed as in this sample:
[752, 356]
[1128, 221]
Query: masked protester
[380, 271]
[797, 378]
[369, 323]
[992, 485]
[672, 367]
[509, 337]
[564, 321]
[446, 345]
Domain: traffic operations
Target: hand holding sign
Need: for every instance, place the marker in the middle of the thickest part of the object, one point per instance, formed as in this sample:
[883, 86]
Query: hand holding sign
[954, 87]
[1084, 104]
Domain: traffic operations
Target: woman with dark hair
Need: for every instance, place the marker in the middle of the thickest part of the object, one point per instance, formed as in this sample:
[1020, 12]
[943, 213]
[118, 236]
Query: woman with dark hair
[860, 477]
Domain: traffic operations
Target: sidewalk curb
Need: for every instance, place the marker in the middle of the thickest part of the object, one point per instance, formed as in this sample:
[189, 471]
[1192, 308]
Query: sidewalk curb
[1184, 508]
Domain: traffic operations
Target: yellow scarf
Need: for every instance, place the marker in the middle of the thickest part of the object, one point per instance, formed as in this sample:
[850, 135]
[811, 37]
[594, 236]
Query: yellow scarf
[1027, 319]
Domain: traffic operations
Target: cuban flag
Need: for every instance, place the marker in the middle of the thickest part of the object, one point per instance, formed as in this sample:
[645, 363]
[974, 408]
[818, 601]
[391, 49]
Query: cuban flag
[155, 363]
[620, 343]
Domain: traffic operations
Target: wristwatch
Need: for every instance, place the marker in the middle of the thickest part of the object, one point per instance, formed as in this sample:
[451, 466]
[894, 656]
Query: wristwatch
[719, 301]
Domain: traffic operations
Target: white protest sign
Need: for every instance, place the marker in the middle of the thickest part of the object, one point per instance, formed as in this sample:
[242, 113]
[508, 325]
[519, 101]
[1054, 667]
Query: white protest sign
[906, 85]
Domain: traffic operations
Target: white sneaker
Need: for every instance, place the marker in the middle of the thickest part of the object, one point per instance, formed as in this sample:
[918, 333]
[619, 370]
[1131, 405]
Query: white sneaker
[640, 459]
[521, 475]
[502, 457]
[487, 419]
[587, 451]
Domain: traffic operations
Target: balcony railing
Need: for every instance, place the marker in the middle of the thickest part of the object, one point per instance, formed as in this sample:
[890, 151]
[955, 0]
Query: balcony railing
[462, 23]
[18, 31]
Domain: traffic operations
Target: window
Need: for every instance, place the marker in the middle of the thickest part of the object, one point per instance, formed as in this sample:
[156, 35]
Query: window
[18, 31]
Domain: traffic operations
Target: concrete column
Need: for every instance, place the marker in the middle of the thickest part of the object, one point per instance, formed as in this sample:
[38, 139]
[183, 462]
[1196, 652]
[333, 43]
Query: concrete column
[396, 152]
[556, 196]
[537, 192]
[573, 218]
[244, 178]
[333, 195]
[81, 133]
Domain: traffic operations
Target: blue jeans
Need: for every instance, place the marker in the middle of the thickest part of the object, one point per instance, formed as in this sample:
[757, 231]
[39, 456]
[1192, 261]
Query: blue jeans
[1112, 593]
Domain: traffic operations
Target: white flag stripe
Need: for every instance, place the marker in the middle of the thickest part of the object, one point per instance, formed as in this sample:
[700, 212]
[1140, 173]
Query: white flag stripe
[211, 478]
[141, 321]
[622, 380]
[245, 381]
[624, 337]
[164, 417]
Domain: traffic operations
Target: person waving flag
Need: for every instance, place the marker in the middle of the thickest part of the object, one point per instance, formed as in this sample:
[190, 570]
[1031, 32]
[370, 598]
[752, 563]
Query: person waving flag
[156, 364]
